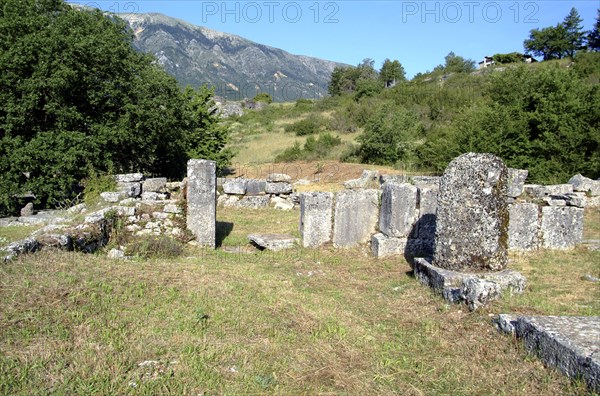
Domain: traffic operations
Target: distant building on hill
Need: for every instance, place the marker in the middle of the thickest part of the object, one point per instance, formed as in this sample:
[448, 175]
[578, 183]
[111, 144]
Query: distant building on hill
[513, 57]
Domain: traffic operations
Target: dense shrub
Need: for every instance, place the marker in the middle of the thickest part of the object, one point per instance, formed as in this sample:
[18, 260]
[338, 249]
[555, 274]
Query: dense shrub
[311, 125]
[319, 148]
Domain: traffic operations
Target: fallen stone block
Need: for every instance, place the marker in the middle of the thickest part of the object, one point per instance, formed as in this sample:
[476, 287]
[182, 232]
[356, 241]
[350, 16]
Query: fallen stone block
[475, 289]
[506, 323]
[316, 209]
[131, 190]
[274, 242]
[585, 184]
[253, 202]
[561, 227]
[368, 179]
[256, 187]
[569, 343]
[355, 215]
[278, 177]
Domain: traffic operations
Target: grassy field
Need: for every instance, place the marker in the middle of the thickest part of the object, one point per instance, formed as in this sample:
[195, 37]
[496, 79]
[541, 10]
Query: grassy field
[296, 322]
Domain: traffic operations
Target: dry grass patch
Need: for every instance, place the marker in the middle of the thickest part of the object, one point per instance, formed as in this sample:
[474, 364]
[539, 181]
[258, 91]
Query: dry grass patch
[296, 322]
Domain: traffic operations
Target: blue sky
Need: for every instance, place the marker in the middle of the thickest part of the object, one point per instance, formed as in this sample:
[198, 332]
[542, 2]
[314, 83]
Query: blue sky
[417, 33]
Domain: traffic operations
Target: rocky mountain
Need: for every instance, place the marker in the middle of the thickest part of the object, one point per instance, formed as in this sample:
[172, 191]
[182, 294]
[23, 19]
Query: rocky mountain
[238, 68]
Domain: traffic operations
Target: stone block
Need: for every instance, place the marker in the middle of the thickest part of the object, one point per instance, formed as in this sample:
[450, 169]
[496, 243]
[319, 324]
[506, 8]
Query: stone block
[253, 202]
[368, 179]
[425, 180]
[585, 184]
[384, 246]
[112, 197]
[274, 242]
[27, 210]
[129, 178]
[255, 187]
[201, 200]
[472, 215]
[398, 212]
[156, 184]
[235, 186]
[132, 190]
[474, 289]
[355, 215]
[523, 227]
[278, 177]
[278, 188]
[569, 343]
[516, 181]
[316, 209]
[561, 227]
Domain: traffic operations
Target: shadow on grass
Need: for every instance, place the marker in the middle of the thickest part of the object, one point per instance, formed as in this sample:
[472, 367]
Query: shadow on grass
[224, 228]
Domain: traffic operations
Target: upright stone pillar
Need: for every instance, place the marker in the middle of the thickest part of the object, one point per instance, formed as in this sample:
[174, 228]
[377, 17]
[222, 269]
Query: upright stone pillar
[355, 217]
[398, 210]
[472, 216]
[202, 200]
[316, 210]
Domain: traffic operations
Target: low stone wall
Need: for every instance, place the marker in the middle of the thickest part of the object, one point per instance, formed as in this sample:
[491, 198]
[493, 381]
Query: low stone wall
[276, 190]
[400, 217]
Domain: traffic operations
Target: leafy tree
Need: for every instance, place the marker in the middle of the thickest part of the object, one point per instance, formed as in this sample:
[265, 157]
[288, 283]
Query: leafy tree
[575, 36]
[391, 73]
[458, 64]
[389, 135]
[549, 43]
[593, 38]
[75, 97]
[513, 57]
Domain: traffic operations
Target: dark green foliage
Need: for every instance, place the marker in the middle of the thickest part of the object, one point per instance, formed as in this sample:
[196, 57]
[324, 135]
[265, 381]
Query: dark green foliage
[311, 125]
[75, 96]
[389, 136]
[263, 97]
[319, 148]
[513, 57]
[575, 36]
[458, 64]
[391, 73]
[557, 42]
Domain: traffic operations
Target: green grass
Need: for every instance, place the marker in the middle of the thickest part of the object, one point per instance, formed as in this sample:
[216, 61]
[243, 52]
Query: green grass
[15, 233]
[298, 322]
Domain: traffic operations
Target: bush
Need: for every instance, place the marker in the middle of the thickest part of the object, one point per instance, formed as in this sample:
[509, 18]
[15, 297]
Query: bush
[263, 97]
[308, 126]
[319, 148]
[96, 184]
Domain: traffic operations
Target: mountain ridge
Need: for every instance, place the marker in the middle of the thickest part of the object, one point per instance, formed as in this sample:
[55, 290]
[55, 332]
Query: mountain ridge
[237, 67]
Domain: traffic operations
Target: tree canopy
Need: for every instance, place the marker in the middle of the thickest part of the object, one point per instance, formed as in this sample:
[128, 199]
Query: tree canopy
[75, 97]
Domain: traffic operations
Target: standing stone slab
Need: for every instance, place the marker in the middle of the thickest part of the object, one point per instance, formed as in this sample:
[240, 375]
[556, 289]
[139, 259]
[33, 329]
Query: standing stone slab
[523, 227]
[201, 200]
[355, 217]
[316, 210]
[398, 209]
[562, 227]
[472, 215]
[516, 181]
[255, 187]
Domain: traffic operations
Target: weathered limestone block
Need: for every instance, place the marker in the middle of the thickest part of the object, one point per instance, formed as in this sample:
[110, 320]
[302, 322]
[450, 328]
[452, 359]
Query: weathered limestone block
[523, 227]
[274, 242]
[316, 210]
[355, 217]
[201, 200]
[426, 180]
[253, 202]
[585, 184]
[132, 190]
[255, 187]
[111, 196]
[472, 215]
[156, 184]
[538, 191]
[27, 210]
[368, 179]
[278, 188]
[278, 177]
[516, 181]
[384, 246]
[398, 212]
[235, 186]
[569, 343]
[561, 227]
[129, 178]
[282, 203]
[475, 289]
